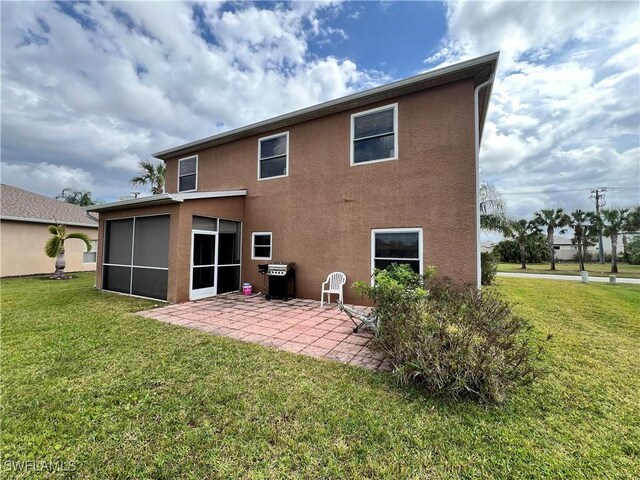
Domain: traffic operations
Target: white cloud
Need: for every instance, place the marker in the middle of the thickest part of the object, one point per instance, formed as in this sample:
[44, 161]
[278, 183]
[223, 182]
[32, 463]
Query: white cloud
[96, 86]
[565, 110]
[126, 161]
[45, 177]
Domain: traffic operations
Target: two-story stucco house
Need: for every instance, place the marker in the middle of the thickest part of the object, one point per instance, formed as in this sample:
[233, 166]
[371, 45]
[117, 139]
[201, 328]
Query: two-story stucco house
[381, 176]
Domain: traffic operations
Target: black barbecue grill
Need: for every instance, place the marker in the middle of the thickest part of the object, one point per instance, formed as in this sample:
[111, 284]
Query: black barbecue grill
[282, 280]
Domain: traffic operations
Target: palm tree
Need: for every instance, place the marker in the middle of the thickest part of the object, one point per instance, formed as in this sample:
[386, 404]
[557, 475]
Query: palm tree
[77, 197]
[580, 220]
[520, 231]
[553, 220]
[54, 247]
[152, 175]
[493, 209]
[631, 225]
[613, 222]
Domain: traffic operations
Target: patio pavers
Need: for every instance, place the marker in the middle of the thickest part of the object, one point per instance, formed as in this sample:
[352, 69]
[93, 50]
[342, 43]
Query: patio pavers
[297, 326]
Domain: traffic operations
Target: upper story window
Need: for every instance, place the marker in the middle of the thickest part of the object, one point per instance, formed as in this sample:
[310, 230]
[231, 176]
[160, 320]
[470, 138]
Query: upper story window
[188, 174]
[374, 135]
[273, 156]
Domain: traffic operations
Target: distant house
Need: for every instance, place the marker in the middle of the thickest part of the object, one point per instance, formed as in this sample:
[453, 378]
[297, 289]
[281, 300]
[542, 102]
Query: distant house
[487, 246]
[24, 220]
[383, 176]
[565, 250]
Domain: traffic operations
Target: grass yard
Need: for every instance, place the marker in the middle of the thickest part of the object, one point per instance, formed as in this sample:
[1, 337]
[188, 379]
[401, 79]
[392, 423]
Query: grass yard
[84, 380]
[625, 270]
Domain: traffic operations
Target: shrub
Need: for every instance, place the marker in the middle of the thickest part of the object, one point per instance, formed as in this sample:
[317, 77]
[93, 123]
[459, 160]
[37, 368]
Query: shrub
[536, 250]
[489, 267]
[451, 340]
[633, 251]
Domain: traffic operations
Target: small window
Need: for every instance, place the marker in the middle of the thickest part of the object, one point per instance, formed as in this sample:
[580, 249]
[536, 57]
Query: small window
[398, 245]
[273, 156]
[374, 135]
[91, 255]
[261, 246]
[187, 174]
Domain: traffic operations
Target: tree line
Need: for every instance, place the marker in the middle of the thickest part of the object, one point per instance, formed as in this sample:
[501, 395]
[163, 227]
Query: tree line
[586, 225]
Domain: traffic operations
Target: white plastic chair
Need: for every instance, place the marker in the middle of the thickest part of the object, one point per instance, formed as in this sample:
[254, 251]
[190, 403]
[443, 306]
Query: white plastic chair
[334, 284]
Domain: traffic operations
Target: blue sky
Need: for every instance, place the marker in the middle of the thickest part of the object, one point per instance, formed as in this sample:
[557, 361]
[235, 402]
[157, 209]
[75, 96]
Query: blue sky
[89, 89]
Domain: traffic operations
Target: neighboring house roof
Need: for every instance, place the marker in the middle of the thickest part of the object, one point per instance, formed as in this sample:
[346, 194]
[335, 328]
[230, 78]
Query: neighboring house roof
[25, 206]
[558, 240]
[163, 199]
[481, 69]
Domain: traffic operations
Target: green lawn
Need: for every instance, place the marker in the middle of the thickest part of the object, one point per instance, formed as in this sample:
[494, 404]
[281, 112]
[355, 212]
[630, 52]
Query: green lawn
[572, 268]
[84, 380]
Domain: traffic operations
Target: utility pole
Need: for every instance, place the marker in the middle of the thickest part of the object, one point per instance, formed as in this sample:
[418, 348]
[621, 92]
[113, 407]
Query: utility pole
[598, 196]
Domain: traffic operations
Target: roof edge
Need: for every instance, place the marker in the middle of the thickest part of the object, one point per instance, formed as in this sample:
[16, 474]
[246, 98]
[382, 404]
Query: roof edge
[48, 222]
[162, 199]
[339, 104]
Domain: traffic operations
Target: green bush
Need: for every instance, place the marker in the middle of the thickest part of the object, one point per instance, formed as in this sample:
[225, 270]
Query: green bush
[536, 250]
[633, 251]
[453, 341]
[489, 267]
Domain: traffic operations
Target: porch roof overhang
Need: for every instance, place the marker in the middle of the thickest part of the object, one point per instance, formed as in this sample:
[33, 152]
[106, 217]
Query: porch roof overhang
[163, 199]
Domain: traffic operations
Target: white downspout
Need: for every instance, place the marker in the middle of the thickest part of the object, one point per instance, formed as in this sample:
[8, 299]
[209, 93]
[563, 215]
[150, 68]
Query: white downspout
[477, 145]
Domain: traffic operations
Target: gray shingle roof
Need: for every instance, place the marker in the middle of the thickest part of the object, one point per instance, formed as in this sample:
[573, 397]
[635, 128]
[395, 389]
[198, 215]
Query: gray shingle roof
[19, 204]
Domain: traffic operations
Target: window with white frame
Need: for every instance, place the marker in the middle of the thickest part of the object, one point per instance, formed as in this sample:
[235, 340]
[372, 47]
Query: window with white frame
[261, 246]
[374, 135]
[273, 156]
[188, 174]
[396, 245]
[91, 255]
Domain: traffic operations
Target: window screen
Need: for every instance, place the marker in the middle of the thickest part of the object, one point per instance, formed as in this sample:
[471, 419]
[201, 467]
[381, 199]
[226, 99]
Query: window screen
[91, 255]
[374, 136]
[262, 246]
[187, 174]
[273, 156]
[397, 247]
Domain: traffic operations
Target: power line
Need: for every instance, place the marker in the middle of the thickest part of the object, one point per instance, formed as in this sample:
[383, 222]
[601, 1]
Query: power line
[533, 192]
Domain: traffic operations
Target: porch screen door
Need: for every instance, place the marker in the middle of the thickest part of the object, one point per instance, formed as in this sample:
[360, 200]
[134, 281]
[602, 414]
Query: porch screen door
[203, 264]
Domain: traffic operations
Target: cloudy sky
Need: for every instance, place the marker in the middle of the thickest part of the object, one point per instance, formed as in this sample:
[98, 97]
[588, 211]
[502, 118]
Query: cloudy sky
[90, 89]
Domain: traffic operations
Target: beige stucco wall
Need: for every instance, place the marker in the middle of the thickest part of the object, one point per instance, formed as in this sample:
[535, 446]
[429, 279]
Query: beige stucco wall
[22, 249]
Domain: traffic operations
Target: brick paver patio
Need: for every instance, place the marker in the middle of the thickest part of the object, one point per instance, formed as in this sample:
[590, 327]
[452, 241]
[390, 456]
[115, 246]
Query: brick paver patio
[298, 326]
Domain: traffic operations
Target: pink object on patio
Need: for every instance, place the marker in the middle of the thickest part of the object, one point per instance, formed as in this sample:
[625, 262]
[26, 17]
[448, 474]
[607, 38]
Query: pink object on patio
[297, 326]
[247, 289]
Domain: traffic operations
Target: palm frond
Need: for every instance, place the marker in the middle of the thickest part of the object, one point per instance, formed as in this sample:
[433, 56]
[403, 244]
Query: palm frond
[82, 236]
[53, 246]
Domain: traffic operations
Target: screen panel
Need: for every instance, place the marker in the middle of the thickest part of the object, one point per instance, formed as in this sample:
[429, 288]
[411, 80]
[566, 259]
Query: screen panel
[116, 279]
[151, 248]
[150, 283]
[118, 241]
[228, 279]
